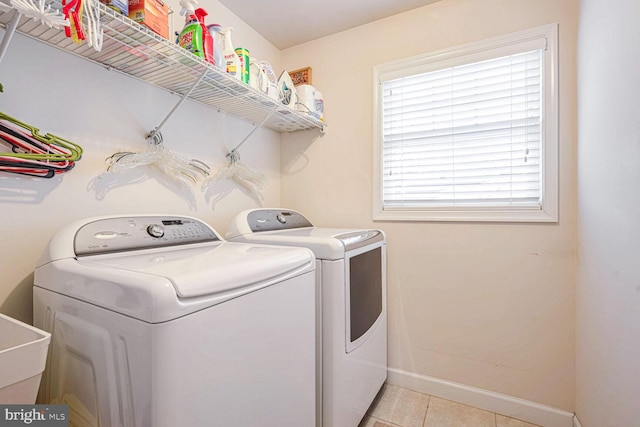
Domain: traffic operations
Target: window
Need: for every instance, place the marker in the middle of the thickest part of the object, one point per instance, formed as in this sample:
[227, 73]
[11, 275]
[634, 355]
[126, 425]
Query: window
[470, 133]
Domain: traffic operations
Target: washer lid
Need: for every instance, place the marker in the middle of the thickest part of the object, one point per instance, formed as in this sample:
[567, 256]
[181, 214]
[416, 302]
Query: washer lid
[207, 270]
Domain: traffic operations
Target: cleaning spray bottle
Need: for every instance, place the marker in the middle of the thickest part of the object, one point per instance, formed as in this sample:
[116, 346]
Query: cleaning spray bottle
[195, 36]
[231, 59]
[207, 40]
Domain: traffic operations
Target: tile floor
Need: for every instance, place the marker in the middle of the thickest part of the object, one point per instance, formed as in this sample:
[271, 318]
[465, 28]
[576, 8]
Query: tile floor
[399, 407]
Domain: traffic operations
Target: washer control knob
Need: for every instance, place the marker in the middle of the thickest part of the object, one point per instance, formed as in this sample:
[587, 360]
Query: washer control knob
[281, 219]
[155, 230]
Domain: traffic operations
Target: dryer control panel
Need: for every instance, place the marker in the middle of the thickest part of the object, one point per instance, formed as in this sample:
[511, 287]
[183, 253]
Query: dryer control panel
[110, 235]
[276, 219]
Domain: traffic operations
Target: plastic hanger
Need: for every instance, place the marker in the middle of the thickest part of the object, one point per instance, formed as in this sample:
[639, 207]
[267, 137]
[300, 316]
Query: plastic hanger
[54, 147]
[95, 34]
[239, 172]
[42, 12]
[72, 10]
[161, 158]
[33, 154]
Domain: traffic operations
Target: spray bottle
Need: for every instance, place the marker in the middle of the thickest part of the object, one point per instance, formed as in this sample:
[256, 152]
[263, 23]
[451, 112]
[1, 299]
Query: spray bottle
[207, 40]
[194, 36]
[186, 37]
[232, 62]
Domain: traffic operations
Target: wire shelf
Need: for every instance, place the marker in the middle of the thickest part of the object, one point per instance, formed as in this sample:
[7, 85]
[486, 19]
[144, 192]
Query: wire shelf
[136, 51]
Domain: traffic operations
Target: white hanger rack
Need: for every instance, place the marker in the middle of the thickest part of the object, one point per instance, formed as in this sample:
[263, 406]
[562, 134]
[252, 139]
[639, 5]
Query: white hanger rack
[136, 51]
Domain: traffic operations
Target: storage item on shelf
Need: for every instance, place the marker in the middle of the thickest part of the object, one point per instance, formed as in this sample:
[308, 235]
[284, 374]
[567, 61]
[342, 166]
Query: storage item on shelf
[263, 78]
[310, 101]
[272, 90]
[231, 59]
[121, 6]
[214, 30]
[154, 14]
[286, 90]
[195, 36]
[245, 64]
[136, 51]
[207, 40]
[257, 76]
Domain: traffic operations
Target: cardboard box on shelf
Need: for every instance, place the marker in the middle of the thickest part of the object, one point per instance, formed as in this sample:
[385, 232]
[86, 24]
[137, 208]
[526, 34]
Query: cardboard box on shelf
[152, 13]
[121, 6]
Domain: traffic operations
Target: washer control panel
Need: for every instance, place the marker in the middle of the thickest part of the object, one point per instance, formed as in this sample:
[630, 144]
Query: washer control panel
[275, 219]
[120, 234]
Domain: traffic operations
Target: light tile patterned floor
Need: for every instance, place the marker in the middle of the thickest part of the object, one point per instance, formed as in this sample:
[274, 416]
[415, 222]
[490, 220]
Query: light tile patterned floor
[399, 407]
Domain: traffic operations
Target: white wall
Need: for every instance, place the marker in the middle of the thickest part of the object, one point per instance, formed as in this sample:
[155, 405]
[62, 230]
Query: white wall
[486, 305]
[608, 292]
[104, 112]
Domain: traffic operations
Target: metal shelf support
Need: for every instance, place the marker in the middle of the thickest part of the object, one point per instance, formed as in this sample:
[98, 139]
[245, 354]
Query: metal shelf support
[9, 32]
[153, 135]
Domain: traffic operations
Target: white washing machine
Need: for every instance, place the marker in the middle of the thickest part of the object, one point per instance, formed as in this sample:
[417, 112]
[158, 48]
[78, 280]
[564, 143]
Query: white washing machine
[351, 293]
[156, 321]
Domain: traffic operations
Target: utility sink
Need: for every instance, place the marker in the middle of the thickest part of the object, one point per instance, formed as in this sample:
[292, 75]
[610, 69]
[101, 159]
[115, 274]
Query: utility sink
[23, 356]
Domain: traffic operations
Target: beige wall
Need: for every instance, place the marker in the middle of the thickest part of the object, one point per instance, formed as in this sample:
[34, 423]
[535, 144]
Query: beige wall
[486, 305]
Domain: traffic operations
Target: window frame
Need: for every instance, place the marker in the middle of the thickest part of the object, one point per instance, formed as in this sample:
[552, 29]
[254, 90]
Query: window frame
[469, 53]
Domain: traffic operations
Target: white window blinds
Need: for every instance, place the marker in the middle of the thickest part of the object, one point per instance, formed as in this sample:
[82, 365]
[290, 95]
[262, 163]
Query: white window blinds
[465, 136]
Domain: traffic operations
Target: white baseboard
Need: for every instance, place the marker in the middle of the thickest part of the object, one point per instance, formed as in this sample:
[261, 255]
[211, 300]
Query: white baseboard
[509, 406]
[576, 421]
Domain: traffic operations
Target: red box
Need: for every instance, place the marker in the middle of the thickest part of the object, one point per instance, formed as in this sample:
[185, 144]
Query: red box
[152, 13]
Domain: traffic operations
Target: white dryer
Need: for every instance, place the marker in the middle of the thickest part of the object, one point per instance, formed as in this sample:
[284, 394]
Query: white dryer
[156, 321]
[351, 294]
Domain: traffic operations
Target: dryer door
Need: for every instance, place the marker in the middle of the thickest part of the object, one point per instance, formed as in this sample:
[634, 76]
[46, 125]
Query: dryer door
[365, 276]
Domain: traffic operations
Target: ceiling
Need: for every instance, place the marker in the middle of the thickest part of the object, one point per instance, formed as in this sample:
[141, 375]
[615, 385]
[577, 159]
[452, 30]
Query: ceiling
[287, 23]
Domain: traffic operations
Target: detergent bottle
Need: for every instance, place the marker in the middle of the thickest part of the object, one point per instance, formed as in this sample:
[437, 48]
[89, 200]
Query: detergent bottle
[231, 59]
[215, 30]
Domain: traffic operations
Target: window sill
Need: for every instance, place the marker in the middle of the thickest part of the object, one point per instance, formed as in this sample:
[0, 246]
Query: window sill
[466, 215]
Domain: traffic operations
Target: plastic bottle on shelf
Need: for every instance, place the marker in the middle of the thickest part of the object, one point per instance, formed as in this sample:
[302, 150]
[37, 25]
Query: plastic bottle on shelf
[207, 40]
[245, 64]
[231, 59]
[195, 36]
[215, 30]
